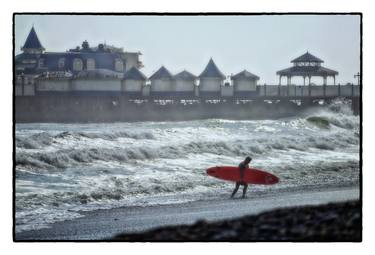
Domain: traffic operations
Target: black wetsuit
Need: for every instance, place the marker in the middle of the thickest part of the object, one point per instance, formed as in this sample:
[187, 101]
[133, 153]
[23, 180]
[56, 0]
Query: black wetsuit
[242, 166]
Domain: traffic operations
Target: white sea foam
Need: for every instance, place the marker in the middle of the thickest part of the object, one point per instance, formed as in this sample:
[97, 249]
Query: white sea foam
[64, 168]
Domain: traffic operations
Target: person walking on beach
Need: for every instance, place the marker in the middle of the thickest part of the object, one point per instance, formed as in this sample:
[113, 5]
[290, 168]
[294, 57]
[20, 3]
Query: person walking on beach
[242, 166]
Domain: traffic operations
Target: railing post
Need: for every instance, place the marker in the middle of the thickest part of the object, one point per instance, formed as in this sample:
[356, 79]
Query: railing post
[302, 90]
[23, 85]
[265, 90]
[352, 89]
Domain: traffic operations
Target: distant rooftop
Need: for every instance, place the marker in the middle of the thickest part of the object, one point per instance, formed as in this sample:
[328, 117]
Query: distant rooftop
[32, 41]
[307, 71]
[245, 75]
[85, 47]
[134, 74]
[211, 71]
[161, 73]
[307, 57]
[185, 75]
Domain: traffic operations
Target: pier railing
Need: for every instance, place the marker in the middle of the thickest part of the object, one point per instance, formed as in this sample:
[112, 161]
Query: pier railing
[114, 88]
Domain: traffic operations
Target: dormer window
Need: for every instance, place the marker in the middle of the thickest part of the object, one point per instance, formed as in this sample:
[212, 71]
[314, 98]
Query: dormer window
[119, 65]
[61, 63]
[41, 63]
[77, 64]
[90, 64]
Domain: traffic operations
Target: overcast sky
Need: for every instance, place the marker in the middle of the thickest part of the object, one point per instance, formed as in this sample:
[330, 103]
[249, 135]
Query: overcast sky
[260, 44]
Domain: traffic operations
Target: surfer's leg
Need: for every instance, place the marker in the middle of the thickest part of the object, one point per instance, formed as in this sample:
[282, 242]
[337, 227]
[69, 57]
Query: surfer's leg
[235, 189]
[244, 190]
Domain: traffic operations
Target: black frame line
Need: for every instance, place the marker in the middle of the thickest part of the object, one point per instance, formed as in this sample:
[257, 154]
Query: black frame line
[181, 14]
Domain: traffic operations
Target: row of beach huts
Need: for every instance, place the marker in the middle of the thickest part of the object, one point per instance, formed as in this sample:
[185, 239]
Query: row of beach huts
[162, 84]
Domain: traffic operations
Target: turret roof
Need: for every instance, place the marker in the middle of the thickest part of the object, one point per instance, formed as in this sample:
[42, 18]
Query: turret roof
[211, 71]
[32, 41]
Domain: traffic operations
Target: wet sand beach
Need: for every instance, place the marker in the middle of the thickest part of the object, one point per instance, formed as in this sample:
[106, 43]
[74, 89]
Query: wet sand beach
[106, 224]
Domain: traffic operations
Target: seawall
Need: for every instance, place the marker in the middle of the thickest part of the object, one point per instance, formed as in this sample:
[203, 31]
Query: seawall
[72, 108]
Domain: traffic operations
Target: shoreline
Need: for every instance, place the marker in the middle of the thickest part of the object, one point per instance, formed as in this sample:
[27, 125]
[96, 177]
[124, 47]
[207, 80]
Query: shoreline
[104, 224]
[333, 222]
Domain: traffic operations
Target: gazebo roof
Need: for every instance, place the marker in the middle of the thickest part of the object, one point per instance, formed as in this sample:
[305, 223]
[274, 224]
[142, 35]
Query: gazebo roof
[211, 71]
[134, 74]
[245, 75]
[307, 57]
[32, 41]
[307, 71]
[185, 75]
[162, 73]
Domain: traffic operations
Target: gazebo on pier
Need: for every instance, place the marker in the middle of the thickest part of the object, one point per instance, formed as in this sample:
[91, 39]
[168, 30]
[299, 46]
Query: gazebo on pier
[307, 66]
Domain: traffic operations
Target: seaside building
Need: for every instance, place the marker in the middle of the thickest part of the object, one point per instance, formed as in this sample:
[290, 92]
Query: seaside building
[102, 61]
[244, 84]
[133, 82]
[211, 80]
[184, 83]
[307, 66]
[161, 82]
[109, 71]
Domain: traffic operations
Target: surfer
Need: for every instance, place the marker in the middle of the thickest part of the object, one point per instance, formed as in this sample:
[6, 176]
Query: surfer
[242, 166]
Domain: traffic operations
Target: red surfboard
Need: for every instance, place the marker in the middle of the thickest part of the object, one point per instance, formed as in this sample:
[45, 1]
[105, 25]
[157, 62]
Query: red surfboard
[251, 175]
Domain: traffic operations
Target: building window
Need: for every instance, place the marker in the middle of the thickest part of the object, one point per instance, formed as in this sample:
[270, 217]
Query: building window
[77, 64]
[41, 63]
[61, 63]
[119, 65]
[19, 79]
[29, 61]
[90, 64]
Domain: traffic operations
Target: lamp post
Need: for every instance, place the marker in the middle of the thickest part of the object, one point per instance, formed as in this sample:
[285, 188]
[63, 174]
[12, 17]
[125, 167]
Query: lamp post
[358, 76]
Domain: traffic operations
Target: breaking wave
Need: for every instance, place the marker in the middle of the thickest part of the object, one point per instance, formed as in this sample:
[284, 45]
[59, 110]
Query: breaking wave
[338, 114]
[60, 172]
[73, 157]
[39, 140]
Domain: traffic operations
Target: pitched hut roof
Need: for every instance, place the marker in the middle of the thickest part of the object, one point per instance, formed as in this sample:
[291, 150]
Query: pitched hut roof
[32, 41]
[307, 71]
[134, 74]
[245, 75]
[211, 71]
[185, 75]
[161, 73]
[307, 57]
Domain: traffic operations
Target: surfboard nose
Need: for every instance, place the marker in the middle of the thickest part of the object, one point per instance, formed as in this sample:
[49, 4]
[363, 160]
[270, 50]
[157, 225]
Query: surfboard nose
[212, 171]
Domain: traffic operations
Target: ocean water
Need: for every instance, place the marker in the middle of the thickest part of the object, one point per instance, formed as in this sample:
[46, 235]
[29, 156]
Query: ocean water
[64, 169]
